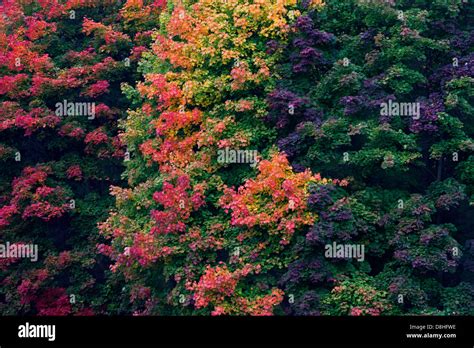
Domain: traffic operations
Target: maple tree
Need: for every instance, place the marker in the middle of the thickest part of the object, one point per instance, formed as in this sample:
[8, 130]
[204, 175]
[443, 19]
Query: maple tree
[57, 164]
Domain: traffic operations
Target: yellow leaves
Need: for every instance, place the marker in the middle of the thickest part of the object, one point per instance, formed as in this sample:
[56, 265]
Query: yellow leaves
[241, 22]
[200, 39]
[239, 41]
[316, 4]
[217, 32]
[263, 67]
[121, 195]
[134, 124]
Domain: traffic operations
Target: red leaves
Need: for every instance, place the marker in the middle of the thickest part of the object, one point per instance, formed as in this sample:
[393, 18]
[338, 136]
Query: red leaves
[178, 205]
[38, 71]
[33, 198]
[170, 122]
[54, 301]
[276, 198]
[215, 284]
[31, 176]
[83, 57]
[6, 212]
[96, 89]
[13, 85]
[74, 172]
[38, 28]
[96, 137]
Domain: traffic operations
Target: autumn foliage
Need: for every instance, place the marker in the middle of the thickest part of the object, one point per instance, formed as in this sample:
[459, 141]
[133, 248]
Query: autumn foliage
[114, 119]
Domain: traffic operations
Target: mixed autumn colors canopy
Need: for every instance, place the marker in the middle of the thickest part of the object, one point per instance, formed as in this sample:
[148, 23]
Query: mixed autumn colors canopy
[131, 209]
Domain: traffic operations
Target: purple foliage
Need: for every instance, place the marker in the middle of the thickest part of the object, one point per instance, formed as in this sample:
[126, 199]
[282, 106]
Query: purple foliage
[429, 110]
[290, 144]
[449, 72]
[286, 106]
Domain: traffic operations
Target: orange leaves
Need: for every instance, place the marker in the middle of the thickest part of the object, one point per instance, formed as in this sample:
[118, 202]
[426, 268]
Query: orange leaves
[167, 93]
[96, 89]
[215, 284]
[133, 4]
[104, 32]
[180, 53]
[204, 90]
[182, 24]
[198, 240]
[170, 122]
[276, 198]
[38, 28]
[262, 305]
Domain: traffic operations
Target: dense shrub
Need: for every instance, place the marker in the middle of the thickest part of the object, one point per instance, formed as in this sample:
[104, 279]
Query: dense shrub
[242, 142]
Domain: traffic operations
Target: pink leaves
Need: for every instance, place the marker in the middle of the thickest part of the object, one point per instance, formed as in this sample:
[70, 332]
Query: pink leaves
[6, 212]
[74, 172]
[53, 301]
[96, 137]
[12, 85]
[177, 204]
[96, 89]
[218, 286]
[33, 198]
[215, 284]
[172, 121]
